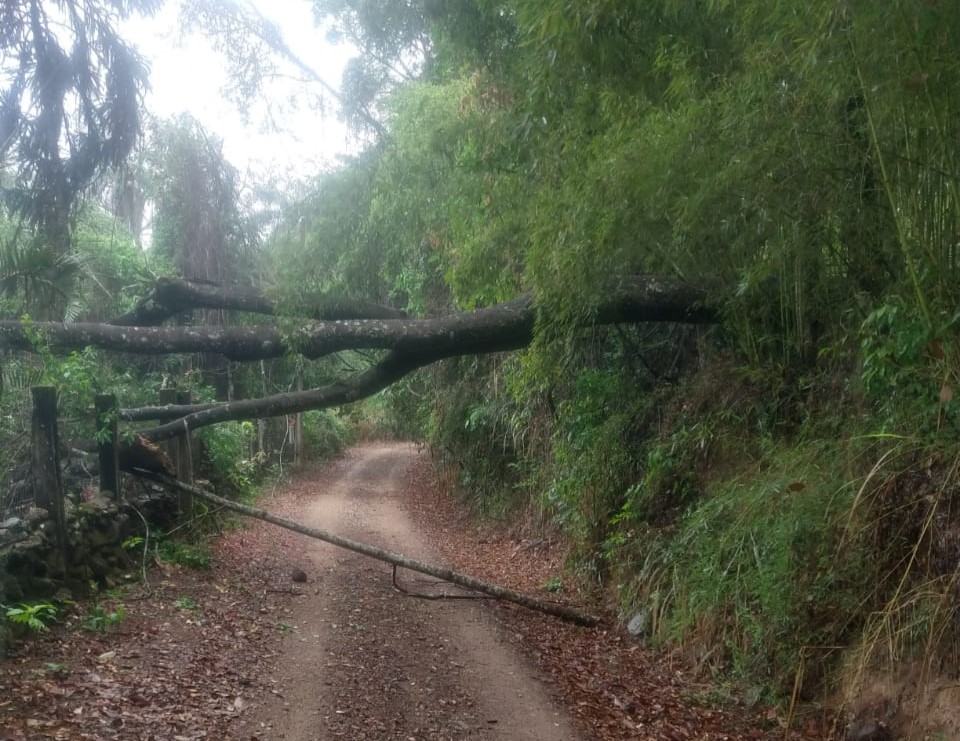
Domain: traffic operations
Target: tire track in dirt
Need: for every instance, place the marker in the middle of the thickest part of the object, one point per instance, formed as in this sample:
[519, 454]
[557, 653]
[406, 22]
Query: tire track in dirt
[365, 662]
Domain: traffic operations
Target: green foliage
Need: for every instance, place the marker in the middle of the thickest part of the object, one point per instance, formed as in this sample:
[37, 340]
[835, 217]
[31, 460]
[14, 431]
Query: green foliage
[100, 619]
[117, 271]
[72, 126]
[79, 375]
[401, 411]
[186, 603]
[198, 226]
[228, 456]
[909, 369]
[325, 433]
[766, 567]
[800, 159]
[97, 279]
[477, 434]
[186, 554]
[554, 585]
[325, 244]
[100, 616]
[592, 461]
[35, 616]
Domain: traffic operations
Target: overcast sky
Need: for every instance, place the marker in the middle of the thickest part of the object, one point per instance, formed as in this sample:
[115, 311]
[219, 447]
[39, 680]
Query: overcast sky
[289, 136]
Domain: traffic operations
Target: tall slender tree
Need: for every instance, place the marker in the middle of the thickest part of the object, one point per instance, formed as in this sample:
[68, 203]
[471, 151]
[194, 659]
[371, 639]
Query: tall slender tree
[197, 222]
[70, 93]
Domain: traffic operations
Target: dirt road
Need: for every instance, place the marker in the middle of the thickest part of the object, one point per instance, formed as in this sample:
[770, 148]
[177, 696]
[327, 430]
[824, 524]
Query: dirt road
[238, 650]
[363, 661]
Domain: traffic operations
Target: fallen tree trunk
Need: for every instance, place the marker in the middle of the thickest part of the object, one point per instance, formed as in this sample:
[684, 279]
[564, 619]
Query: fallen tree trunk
[564, 612]
[162, 413]
[172, 296]
[506, 326]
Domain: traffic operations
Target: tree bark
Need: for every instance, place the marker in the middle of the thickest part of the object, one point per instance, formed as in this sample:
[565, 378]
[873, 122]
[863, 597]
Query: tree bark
[454, 577]
[411, 344]
[392, 368]
[172, 296]
[507, 326]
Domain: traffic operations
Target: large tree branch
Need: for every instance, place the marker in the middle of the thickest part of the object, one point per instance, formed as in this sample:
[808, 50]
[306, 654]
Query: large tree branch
[389, 370]
[172, 296]
[506, 326]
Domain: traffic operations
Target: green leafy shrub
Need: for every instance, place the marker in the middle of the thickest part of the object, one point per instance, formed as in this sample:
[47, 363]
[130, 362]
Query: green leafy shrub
[35, 616]
[99, 619]
[227, 457]
[325, 433]
[185, 554]
[186, 603]
[399, 412]
[909, 369]
[592, 461]
[478, 437]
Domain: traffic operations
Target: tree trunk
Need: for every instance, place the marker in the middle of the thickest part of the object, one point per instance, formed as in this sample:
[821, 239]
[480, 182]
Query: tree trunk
[507, 326]
[412, 344]
[172, 296]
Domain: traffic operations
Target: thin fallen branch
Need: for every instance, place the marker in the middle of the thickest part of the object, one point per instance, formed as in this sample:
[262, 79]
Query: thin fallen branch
[163, 412]
[564, 612]
[146, 548]
[421, 595]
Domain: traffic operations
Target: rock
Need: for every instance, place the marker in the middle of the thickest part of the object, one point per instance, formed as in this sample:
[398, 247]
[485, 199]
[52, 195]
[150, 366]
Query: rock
[35, 516]
[78, 588]
[639, 624]
[39, 588]
[12, 524]
[869, 731]
[99, 567]
[99, 538]
[13, 590]
[299, 576]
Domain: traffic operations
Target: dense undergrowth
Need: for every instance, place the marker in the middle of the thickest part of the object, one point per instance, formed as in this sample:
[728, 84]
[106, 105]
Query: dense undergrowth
[769, 525]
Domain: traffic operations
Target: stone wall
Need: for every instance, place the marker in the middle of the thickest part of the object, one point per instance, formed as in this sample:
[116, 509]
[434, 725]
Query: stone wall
[33, 568]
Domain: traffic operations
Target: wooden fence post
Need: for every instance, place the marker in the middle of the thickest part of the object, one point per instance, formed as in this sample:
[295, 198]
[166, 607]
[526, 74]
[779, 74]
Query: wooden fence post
[107, 417]
[175, 449]
[185, 463]
[44, 468]
[185, 459]
[172, 448]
